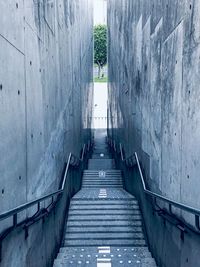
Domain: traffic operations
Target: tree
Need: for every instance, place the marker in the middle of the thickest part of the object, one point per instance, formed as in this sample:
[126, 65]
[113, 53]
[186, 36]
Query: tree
[100, 47]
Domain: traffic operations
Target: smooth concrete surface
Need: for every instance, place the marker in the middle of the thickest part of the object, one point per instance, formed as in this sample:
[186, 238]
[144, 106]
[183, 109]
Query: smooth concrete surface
[46, 90]
[154, 53]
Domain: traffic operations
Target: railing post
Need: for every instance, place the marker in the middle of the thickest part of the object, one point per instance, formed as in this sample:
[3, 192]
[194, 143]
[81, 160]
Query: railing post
[38, 206]
[15, 219]
[26, 232]
[155, 201]
[197, 223]
[170, 208]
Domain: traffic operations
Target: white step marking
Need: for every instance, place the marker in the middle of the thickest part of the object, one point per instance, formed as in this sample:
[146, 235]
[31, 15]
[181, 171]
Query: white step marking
[104, 262]
[102, 193]
[102, 174]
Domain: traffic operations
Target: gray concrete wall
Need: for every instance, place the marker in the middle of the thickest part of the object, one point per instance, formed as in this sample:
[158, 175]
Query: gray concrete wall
[46, 55]
[154, 51]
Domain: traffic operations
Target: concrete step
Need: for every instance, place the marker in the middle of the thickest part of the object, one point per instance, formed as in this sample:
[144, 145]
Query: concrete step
[105, 228]
[100, 186]
[101, 164]
[104, 212]
[104, 207]
[107, 172]
[98, 156]
[111, 171]
[100, 180]
[112, 194]
[105, 242]
[105, 217]
[100, 262]
[97, 177]
[107, 176]
[103, 236]
[148, 261]
[94, 198]
[89, 223]
[141, 251]
[94, 179]
[116, 202]
[124, 255]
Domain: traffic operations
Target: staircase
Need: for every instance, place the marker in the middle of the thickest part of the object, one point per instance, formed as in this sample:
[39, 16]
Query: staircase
[104, 226]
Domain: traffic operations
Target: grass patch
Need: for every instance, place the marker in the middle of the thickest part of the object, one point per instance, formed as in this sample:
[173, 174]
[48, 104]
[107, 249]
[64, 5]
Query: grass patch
[101, 80]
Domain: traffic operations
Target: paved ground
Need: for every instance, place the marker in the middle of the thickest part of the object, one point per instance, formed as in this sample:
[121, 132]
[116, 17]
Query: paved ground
[100, 106]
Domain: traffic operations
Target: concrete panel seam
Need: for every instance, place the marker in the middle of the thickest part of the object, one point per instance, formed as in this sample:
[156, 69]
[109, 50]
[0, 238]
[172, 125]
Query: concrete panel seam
[48, 26]
[12, 44]
[168, 37]
[158, 26]
[28, 24]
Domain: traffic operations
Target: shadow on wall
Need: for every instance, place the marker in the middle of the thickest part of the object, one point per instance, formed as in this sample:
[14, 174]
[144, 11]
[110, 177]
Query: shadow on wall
[46, 60]
[154, 107]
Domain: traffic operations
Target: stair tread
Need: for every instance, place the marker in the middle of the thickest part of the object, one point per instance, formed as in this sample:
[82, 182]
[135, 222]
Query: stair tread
[106, 242]
[104, 212]
[104, 223]
[104, 228]
[104, 236]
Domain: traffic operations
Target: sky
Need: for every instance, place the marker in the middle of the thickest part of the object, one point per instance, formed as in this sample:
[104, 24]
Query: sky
[100, 12]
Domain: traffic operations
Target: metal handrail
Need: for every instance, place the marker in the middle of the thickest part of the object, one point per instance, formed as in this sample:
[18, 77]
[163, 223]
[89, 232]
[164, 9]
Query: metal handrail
[15, 211]
[165, 199]
[121, 152]
[171, 202]
[83, 153]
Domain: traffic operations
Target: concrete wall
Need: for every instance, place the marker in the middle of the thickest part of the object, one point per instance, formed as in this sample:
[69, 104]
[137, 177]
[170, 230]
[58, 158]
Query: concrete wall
[46, 55]
[154, 75]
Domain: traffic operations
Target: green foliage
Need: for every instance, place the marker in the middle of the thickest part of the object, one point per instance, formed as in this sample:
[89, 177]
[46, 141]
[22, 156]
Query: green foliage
[101, 80]
[100, 45]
